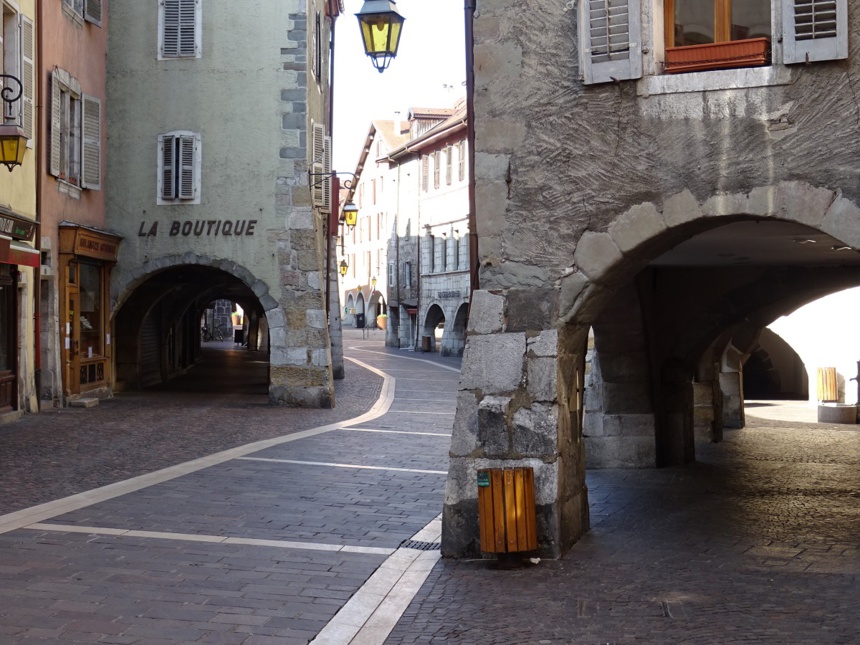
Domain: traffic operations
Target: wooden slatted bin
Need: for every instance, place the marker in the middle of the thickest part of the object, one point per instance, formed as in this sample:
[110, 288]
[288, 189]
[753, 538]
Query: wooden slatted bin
[506, 510]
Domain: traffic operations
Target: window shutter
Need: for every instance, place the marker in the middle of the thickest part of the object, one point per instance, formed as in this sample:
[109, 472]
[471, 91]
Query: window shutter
[318, 164]
[168, 190]
[610, 40]
[56, 125]
[28, 78]
[91, 151]
[425, 173]
[814, 30]
[180, 35]
[93, 12]
[327, 182]
[189, 34]
[170, 29]
[449, 164]
[187, 151]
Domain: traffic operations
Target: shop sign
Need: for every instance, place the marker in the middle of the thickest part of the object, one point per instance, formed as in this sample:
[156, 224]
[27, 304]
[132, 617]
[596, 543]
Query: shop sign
[94, 247]
[16, 229]
[199, 228]
[447, 294]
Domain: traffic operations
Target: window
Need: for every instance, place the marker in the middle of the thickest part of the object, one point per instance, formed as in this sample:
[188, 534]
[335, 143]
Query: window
[316, 48]
[179, 162]
[436, 157]
[91, 315]
[407, 275]
[392, 273]
[17, 45]
[89, 10]
[697, 22]
[612, 42]
[425, 174]
[716, 34]
[75, 133]
[179, 29]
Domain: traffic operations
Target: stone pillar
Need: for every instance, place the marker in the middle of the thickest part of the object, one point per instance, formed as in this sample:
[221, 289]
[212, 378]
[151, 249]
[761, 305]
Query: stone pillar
[508, 416]
[733, 403]
[620, 425]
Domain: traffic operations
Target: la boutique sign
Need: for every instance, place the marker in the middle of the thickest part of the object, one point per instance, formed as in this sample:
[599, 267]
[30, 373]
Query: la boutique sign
[200, 228]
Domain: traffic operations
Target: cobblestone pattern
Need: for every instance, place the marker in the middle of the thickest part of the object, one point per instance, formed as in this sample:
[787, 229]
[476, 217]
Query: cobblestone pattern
[60, 452]
[81, 588]
[758, 542]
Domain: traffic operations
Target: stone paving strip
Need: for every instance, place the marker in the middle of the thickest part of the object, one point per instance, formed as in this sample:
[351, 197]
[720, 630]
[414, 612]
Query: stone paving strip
[119, 566]
[333, 465]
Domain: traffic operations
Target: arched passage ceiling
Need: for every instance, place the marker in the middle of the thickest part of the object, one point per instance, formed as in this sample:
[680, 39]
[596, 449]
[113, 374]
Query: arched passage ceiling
[763, 242]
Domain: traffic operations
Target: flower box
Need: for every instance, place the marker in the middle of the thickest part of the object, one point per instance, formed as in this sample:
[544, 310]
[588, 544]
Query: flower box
[734, 53]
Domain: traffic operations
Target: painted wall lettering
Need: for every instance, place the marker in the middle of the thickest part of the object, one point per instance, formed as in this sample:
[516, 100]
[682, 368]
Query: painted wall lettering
[201, 228]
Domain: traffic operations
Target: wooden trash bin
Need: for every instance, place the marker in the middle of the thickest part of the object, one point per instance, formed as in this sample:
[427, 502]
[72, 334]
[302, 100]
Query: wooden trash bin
[506, 510]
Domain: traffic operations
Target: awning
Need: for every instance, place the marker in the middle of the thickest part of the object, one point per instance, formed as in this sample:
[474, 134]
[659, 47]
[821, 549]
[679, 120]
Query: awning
[12, 252]
[23, 255]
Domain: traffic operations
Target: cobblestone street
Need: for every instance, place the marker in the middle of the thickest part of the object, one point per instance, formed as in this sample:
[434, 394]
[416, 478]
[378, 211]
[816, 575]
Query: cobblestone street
[757, 542]
[183, 517]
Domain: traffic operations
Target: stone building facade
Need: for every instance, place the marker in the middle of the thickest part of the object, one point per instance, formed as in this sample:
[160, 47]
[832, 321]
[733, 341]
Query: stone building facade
[218, 115]
[670, 209]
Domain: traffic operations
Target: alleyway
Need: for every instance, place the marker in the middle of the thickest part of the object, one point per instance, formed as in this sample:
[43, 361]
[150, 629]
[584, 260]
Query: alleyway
[325, 527]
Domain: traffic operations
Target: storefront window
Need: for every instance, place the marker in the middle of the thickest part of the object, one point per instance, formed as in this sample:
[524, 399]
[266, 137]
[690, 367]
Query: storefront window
[90, 318]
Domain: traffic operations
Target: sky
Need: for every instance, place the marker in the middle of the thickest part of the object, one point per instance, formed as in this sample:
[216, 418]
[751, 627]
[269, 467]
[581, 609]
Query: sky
[824, 334]
[431, 56]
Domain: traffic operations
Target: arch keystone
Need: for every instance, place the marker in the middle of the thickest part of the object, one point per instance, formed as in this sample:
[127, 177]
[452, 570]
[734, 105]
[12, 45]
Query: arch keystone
[725, 204]
[680, 209]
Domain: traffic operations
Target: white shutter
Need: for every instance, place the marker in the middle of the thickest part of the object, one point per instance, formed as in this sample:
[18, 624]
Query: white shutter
[326, 180]
[91, 150]
[610, 40]
[56, 125]
[28, 77]
[93, 12]
[181, 23]
[170, 28]
[187, 151]
[189, 44]
[318, 164]
[814, 30]
[168, 190]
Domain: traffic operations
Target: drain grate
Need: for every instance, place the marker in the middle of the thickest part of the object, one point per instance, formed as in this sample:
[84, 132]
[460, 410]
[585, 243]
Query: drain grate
[420, 546]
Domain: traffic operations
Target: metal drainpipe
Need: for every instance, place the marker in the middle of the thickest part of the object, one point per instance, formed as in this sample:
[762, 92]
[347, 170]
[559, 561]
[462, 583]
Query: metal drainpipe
[37, 282]
[470, 134]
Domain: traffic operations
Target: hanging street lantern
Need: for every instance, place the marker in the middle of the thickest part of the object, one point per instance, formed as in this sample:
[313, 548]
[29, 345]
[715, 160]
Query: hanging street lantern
[13, 141]
[343, 267]
[372, 285]
[350, 214]
[380, 31]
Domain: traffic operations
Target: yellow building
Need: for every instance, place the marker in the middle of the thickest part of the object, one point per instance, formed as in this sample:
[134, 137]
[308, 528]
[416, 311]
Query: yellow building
[19, 257]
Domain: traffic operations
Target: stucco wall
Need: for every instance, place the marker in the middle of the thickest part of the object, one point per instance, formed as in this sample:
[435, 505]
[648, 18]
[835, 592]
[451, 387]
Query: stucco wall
[555, 157]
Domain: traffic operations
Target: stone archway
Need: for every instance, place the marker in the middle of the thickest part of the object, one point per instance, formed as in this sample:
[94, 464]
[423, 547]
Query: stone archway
[522, 368]
[299, 376]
